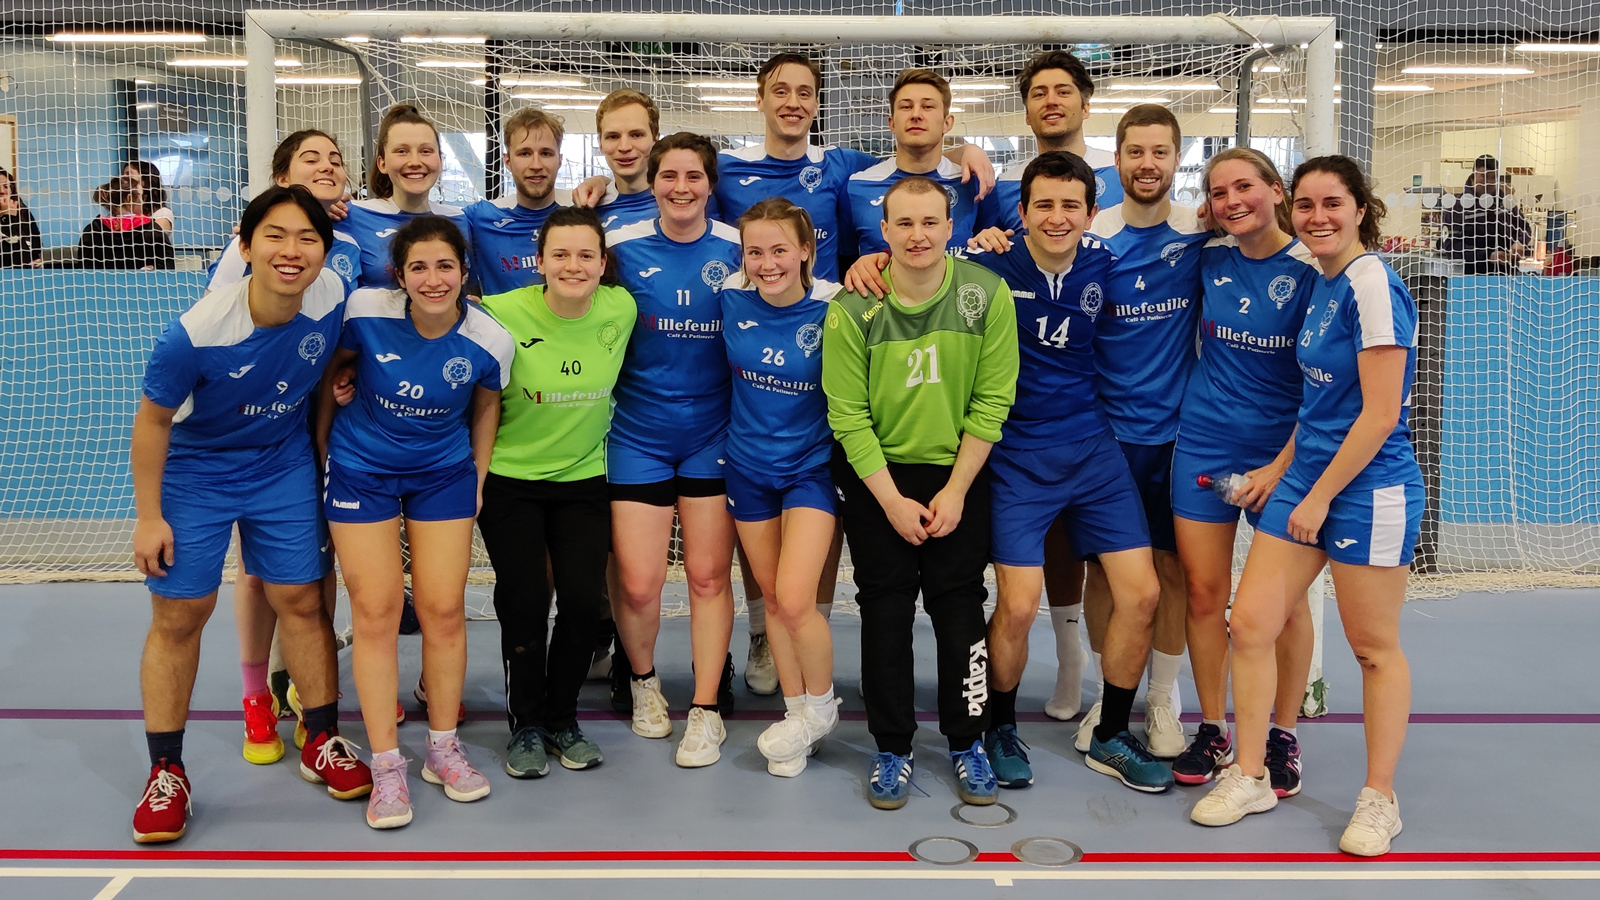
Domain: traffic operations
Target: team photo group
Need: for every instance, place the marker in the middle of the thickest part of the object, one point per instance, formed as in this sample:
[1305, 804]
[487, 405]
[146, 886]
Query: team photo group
[777, 352]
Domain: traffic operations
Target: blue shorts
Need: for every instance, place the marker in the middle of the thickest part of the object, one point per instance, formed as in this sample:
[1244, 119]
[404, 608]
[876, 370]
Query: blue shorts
[1364, 527]
[355, 497]
[631, 459]
[1086, 483]
[282, 537]
[757, 496]
[1193, 458]
[1151, 465]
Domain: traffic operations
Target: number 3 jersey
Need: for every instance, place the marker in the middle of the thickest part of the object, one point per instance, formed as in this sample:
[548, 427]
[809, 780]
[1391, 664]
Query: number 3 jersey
[1056, 316]
[779, 423]
[239, 390]
[412, 392]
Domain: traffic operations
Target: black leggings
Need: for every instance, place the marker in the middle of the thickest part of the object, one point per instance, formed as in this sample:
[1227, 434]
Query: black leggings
[948, 572]
[521, 520]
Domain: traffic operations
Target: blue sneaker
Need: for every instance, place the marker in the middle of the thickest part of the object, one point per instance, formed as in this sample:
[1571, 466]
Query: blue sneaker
[975, 781]
[1009, 757]
[890, 786]
[1125, 759]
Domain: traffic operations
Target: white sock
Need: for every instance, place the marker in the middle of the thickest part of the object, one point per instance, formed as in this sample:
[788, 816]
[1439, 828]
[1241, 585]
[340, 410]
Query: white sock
[1219, 724]
[794, 704]
[1292, 732]
[1067, 698]
[1100, 680]
[821, 704]
[758, 614]
[435, 737]
[826, 609]
[1163, 689]
[392, 757]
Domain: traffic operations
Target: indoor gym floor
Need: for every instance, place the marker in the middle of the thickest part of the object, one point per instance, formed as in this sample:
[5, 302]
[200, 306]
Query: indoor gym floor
[1496, 787]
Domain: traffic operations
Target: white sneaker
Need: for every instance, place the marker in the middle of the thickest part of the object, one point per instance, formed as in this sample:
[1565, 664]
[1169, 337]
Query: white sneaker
[1236, 795]
[760, 672]
[702, 739]
[788, 769]
[1163, 733]
[1067, 698]
[1375, 823]
[1086, 729]
[797, 734]
[649, 708]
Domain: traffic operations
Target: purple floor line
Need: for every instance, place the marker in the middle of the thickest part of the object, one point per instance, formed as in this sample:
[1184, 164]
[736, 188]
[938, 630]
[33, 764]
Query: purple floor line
[765, 715]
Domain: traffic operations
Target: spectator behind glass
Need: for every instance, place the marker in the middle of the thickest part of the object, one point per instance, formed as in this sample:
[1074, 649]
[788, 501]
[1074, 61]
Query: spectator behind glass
[127, 238]
[155, 195]
[1487, 232]
[19, 233]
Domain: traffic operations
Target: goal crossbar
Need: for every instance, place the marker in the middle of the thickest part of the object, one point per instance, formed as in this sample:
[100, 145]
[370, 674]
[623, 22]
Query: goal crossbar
[263, 26]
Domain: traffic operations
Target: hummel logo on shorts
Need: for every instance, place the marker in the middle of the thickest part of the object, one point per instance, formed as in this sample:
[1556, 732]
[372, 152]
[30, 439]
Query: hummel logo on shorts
[347, 504]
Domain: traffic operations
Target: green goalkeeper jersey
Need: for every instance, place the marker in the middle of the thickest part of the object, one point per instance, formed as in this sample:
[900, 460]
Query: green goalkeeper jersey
[556, 411]
[904, 383]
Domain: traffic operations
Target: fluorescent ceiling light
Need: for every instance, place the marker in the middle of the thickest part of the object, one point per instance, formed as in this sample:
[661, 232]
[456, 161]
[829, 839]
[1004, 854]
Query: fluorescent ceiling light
[127, 37]
[452, 64]
[583, 106]
[1270, 111]
[1283, 100]
[1268, 68]
[734, 109]
[1224, 110]
[956, 109]
[357, 39]
[1558, 48]
[980, 86]
[1402, 88]
[224, 62]
[1112, 111]
[1157, 99]
[553, 95]
[724, 84]
[318, 79]
[1182, 86]
[727, 98]
[418, 39]
[1337, 45]
[1465, 70]
[961, 99]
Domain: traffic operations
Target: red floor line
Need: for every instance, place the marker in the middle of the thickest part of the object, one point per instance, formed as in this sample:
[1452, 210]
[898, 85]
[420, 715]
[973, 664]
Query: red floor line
[761, 856]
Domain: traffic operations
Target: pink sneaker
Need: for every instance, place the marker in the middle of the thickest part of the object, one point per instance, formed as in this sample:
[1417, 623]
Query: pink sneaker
[447, 765]
[389, 806]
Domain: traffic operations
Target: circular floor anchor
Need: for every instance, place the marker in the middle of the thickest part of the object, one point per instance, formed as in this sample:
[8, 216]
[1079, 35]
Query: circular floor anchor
[1047, 851]
[995, 815]
[944, 851]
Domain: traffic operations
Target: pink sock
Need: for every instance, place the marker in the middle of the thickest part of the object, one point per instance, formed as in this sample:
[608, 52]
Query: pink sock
[255, 678]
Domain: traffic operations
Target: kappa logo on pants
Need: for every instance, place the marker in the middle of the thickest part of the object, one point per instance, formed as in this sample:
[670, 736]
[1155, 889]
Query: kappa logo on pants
[977, 681]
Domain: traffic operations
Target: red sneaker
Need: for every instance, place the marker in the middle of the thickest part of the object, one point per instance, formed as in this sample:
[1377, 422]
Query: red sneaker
[262, 745]
[331, 760]
[163, 811]
[421, 693]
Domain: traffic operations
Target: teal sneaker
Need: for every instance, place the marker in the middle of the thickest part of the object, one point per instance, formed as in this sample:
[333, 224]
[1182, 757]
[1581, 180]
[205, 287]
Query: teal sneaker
[1008, 756]
[525, 756]
[975, 780]
[1125, 759]
[890, 785]
[575, 748]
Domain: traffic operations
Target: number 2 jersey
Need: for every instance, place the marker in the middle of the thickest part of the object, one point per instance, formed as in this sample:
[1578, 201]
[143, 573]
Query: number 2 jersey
[675, 377]
[1056, 318]
[412, 392]
[779, 422]
[1245, 390]
[240, 390]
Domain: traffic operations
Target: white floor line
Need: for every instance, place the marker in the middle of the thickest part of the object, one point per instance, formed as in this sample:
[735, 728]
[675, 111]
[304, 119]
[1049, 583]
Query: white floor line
[1000, 877]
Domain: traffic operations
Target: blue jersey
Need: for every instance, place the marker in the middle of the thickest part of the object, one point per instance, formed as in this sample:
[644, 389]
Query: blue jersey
[621, 210]
[1245, 390]
[675, 376]
[866, 190]
[816, 182]
[344, 258]
[1144, 351]
[779, 423]
[1008, 187]
[1362, 307]
[1056, 319]
[241, 388]
[413, 393]
[503, 235]
[373, 223]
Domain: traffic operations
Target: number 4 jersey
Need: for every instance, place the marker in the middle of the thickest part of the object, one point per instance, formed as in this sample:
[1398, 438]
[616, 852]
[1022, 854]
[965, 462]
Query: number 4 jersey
[412, 392]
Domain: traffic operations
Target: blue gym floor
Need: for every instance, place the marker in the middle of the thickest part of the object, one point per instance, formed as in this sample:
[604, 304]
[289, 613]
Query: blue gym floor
[1495, 785]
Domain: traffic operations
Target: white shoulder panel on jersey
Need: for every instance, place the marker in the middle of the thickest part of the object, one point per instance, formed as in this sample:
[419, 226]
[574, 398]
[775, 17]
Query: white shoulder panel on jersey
[444, 209]
[948, 169]
[221, 318]
[1369, 284]
[815, 154]
[825, 290]
[378, 205]
[878, 172]
[483, 330]
[1226, 240]
[231, 266]
[1090, 241]
[642, 229]
[1303, 253]
[725, 231]
[1014, 171]
[1107, 222]
[737, 282]
[342, 236]
[507, 202]
[376, 303]
[563, 197]
[324, 296]
[752, 153]
[1185, 220]
[1099, 159]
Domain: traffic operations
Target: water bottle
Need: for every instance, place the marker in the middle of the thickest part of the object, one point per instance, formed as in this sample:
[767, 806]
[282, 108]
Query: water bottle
[1224, 486]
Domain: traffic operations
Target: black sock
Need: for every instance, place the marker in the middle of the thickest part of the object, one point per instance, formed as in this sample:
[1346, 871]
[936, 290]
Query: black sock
[1002, 707]
[165, 745]
[321, 719]
[646, 676]
[708, 707]
[1114, 711]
